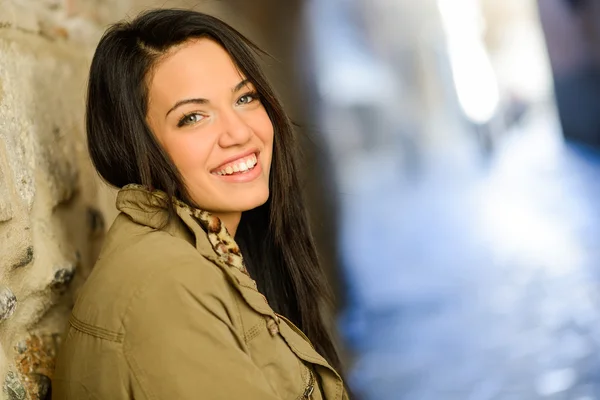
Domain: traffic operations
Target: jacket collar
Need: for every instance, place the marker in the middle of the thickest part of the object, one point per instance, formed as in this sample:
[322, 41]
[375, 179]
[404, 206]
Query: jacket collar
[150, 208]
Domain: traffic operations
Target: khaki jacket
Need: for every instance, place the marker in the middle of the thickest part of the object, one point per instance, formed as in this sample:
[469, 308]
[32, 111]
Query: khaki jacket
[170, 313]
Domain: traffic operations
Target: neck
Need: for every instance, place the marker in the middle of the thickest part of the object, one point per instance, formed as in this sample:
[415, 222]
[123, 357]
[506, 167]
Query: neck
[231, 221]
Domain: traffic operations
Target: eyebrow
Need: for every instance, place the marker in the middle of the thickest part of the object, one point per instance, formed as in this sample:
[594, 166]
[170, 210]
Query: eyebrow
[180, 103]
[240, 85]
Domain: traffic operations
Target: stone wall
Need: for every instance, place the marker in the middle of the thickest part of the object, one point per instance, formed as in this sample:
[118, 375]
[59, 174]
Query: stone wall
[49, 218]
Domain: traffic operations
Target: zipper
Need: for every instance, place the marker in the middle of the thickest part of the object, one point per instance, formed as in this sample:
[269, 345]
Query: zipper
[310, 388]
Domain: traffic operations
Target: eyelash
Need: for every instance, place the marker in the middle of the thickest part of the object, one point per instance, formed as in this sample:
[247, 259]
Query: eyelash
[182, 122]
[254, 96]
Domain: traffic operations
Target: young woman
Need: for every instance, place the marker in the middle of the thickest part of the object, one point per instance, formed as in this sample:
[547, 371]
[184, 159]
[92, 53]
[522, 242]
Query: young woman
[180, 116]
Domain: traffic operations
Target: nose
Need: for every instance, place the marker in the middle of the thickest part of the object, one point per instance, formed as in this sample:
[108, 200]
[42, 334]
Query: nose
[236, 130]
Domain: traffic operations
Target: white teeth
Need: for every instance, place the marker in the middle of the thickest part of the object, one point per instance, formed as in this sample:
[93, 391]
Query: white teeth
[241, 166]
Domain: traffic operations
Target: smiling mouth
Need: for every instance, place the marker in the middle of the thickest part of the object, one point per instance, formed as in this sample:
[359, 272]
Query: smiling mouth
[237, 167]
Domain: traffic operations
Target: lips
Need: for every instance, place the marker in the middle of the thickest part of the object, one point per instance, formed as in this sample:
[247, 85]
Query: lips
[249, 169]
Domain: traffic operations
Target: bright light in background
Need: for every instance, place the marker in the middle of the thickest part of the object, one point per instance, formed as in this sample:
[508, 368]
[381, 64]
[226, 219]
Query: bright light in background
[475, 81]
[461, 18]
[516, 217]
[474, 76]
[521, 62]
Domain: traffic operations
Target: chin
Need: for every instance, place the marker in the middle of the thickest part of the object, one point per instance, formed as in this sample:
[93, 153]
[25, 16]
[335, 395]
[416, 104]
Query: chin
[248, 202]
[254, 202]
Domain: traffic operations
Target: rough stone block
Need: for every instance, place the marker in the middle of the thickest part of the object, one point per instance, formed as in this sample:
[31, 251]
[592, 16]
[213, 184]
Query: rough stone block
[96, 222]
[13, 387]
[35, 363]
[24, 259]
[63, 278]
[8, 303]
[15, 129]
[6, 209]
[59, 162]
[15, 15]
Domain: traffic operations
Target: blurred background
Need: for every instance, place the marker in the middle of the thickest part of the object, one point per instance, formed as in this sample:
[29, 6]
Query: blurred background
[462, 141]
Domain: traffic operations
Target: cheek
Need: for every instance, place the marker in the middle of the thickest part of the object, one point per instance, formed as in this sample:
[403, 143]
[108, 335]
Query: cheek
[187, 151]
[263, 128]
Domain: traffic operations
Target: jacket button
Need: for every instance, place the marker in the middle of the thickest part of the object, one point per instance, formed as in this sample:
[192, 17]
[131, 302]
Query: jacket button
[272, 326]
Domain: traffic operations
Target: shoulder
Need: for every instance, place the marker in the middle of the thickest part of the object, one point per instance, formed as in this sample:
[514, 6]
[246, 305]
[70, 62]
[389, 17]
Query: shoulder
[138, 270]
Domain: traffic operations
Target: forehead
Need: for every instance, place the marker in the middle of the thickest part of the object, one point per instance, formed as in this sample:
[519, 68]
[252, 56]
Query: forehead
[197, 68]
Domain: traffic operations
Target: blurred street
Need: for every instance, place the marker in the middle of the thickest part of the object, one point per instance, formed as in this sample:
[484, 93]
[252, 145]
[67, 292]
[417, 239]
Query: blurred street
[469, 222]
[475, 278]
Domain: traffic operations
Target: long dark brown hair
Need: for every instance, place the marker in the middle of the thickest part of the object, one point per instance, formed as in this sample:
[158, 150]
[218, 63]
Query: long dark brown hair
[275, 238]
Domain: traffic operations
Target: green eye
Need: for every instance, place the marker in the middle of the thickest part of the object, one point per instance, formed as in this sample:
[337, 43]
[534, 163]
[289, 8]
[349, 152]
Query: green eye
[248, 98]
[190, 119]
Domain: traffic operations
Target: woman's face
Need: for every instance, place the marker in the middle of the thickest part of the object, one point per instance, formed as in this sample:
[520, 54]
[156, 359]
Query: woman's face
[209, 119]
